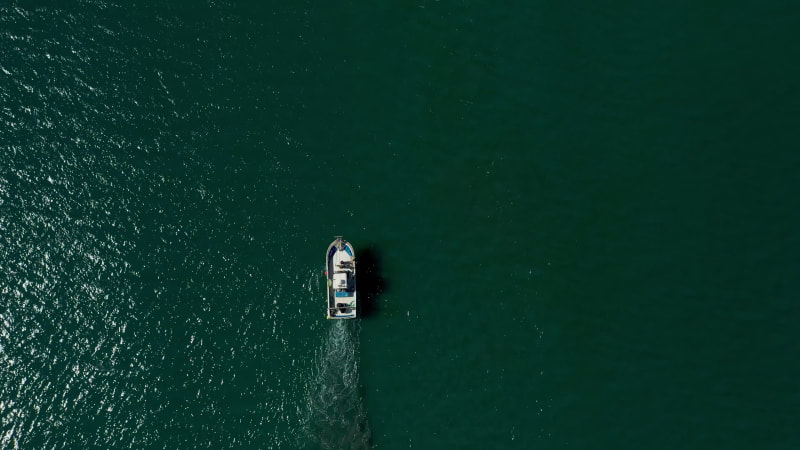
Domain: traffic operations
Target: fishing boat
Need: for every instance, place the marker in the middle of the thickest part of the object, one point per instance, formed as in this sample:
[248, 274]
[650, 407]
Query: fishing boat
[340, 271]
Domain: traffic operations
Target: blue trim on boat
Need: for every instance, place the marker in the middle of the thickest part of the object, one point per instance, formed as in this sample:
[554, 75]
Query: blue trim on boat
[343, 294]
[348, 249]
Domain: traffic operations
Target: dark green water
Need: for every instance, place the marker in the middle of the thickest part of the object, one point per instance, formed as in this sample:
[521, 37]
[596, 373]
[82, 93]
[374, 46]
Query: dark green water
[580, 224]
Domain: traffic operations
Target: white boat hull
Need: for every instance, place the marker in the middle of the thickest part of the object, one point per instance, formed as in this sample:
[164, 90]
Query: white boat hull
[340, 264]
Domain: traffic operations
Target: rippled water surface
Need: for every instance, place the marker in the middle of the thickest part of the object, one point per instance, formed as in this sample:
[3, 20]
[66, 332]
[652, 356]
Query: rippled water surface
[577, 225]
[149, 299]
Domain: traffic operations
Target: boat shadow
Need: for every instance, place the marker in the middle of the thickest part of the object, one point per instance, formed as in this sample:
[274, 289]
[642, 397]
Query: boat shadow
[371, 284]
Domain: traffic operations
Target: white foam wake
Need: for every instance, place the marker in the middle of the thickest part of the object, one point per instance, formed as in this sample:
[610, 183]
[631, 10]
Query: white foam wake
[335, 416]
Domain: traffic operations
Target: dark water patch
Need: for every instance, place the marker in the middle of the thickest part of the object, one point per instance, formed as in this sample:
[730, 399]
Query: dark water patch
[371, 283]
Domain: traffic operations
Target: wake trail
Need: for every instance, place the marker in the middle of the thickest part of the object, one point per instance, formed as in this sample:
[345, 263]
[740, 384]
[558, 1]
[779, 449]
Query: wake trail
[335, 416]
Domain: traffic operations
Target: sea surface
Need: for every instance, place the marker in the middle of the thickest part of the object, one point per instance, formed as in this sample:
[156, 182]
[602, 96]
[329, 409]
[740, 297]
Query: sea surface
[577, 224]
